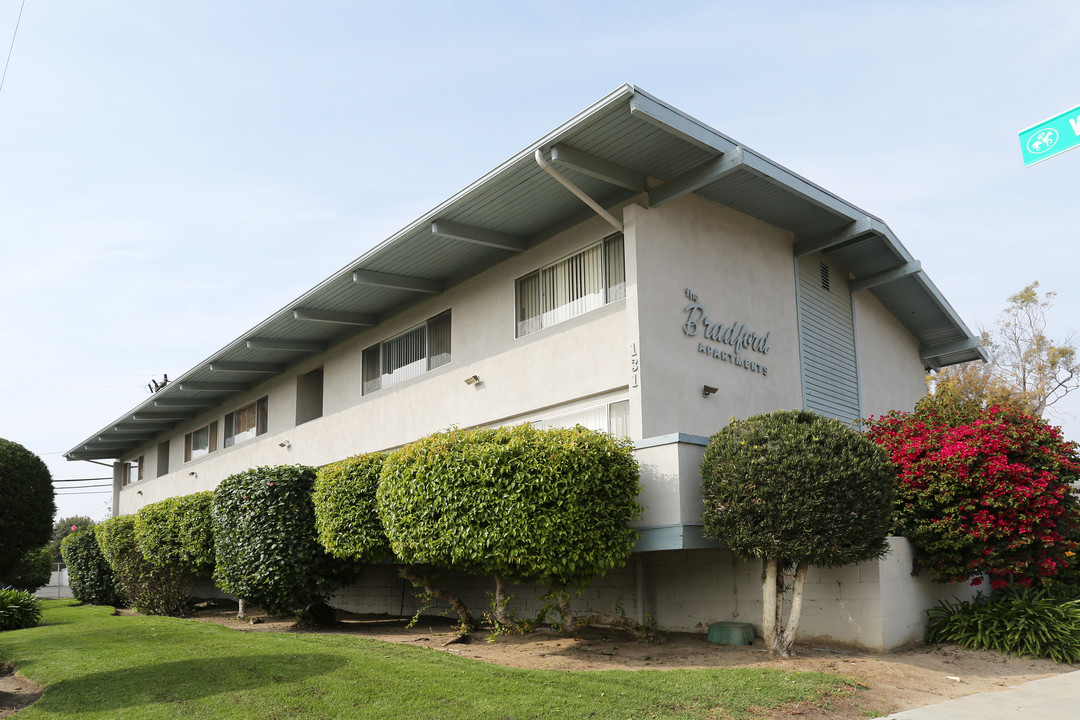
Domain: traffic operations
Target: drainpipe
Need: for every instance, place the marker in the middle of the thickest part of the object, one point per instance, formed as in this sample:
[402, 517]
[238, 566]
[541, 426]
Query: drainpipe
[539, 155]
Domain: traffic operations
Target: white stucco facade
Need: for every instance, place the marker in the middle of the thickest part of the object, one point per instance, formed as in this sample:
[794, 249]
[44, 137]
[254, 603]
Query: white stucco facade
[723, 315]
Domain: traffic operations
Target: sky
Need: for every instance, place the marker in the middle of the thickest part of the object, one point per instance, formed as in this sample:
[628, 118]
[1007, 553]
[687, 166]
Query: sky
[173, 173]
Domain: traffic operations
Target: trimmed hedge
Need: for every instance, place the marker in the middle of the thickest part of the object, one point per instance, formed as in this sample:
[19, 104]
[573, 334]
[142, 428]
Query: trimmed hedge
[18, 609]
[265, 543]
[149, 589]
[178, 533]
[34, 570]
[549, 506]
[28, 506]
[89, 573]
[346, 518]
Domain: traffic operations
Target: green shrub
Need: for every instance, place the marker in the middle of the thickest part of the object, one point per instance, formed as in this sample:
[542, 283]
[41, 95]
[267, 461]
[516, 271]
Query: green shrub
[89, 574]
[64, 527]
[149, 589]
[34, 570]
[1018, 622]
[265, 544]
[346, 517]
[177, 533]
[18, 609]
[27, 508]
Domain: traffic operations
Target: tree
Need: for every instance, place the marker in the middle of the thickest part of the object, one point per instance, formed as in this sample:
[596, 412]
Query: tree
[64, 527]
[28, 504]
[33, 570]
[983, 491]
[795, 489]
[1026, 369]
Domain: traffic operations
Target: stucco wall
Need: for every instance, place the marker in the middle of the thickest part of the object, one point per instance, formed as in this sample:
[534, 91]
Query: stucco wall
[891, 373]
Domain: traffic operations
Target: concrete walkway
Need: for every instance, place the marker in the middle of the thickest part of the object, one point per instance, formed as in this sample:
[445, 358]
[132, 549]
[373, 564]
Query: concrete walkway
[1052, 698]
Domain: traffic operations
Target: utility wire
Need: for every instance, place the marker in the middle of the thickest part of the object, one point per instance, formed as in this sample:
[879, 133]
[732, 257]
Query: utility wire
[56, 480]
[81, 487]
[12, 47]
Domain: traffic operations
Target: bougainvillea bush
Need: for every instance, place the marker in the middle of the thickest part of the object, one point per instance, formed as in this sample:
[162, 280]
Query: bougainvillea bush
[983, 492]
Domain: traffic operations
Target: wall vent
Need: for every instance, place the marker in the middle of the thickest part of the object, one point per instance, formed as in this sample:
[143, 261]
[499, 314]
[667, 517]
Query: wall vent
[824, 277]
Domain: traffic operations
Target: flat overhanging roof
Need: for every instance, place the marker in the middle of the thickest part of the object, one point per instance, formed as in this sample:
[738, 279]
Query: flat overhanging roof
[608, 150]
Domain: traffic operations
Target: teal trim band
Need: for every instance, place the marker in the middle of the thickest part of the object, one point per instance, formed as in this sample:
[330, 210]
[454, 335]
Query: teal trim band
[675, 537]
[671, 439]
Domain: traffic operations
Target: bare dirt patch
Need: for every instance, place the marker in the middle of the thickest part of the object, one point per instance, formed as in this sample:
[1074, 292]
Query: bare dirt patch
[16, 692]
[886, 682]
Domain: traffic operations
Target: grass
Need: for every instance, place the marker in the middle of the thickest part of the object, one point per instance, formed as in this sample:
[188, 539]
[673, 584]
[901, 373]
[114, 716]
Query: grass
[98, 665]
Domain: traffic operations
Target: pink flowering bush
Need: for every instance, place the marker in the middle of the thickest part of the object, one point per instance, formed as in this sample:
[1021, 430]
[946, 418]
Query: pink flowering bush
[983, 492]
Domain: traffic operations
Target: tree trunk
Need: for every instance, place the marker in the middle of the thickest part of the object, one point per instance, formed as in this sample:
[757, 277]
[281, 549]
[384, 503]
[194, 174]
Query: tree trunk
[569, 625]
[788, 640]
[769, 611]
[502, 616]
[241, 610]
[468, 624]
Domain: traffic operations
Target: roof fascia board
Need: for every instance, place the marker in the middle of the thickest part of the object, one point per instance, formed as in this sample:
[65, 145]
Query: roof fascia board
[949, 348]
[852, 232]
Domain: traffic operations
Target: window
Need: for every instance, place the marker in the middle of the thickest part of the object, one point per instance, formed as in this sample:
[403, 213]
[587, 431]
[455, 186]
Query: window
[246, 423]
[309, 396]
[572, 286]
[405, 356]
[200, 442]
[133, 471]
[163, 458]
[611, 418]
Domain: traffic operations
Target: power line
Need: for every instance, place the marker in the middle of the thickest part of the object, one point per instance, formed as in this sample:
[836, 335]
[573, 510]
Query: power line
[56, 480]
[12, 47]
[82, 487]
[89, 492]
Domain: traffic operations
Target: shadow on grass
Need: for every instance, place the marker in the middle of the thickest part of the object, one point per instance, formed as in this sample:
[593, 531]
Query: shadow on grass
[182, 680]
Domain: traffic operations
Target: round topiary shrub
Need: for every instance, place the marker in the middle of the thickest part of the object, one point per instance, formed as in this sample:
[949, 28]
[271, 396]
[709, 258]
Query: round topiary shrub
[178, 533]
[265, 543]
[34, 570]
[28, 506]
[89, 574]
[18, 609]
[346, 517]
[147, 588]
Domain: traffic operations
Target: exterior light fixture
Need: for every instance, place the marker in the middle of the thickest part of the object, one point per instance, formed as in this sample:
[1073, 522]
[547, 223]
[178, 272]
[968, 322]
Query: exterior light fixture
[707, 391]
[193, 474]
[472, 379]
[138, 492]
[284, 444]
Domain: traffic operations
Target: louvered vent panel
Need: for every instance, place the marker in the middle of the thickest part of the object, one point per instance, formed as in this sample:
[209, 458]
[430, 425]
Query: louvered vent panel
[827, 342]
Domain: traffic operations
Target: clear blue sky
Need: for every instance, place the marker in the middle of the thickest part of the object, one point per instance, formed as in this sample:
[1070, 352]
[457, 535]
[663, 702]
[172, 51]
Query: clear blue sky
[172, 173]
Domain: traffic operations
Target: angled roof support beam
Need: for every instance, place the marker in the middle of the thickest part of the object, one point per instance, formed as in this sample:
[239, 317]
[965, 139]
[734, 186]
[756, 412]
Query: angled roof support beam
[93, 455]
[336, 317]
[185, 402]
[853, 232]
[397, 282]
[248, 367]
[577, 192]
[293, 345]
[696, 178]
[479, 236]
[213, 386]
[609, 172]
[948, 348]
[886, 276]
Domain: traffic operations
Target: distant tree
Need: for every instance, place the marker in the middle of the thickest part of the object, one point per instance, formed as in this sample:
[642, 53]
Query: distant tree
[64, 527]
[795, 489]
[1026, 369]
[27, 503]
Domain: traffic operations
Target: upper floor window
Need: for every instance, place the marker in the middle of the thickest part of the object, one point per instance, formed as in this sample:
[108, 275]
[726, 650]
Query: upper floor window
[413, 352]
[246, 423]
[133, 470]
[200, 442]
[572, 286]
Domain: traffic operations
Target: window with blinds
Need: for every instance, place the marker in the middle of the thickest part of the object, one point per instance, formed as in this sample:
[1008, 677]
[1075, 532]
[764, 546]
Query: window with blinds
[247, 422]
[405, 356]
[585, 281]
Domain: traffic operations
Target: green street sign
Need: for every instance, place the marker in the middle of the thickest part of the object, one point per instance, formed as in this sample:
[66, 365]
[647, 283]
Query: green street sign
[1051, 137]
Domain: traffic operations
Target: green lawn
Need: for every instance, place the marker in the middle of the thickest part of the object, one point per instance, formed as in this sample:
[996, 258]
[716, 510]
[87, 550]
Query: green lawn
[98, 665]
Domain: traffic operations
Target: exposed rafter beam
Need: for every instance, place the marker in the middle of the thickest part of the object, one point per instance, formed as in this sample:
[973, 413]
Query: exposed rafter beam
[609, 172]
[104, 442]
[246, 367]
[336, 317]
[886, 276]
[163, 415]
[852, 232]
[294, 345]
[948, 348]
[397, 282]
[696, 178]
[213, 386]
[93, 455]
[144, 429]
[185, 402]
[479, 236]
